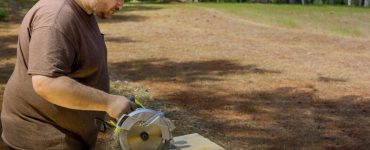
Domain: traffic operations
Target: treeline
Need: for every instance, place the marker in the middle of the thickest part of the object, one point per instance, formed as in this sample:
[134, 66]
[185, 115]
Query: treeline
[11, 10]
[364, 3]
[361, 3]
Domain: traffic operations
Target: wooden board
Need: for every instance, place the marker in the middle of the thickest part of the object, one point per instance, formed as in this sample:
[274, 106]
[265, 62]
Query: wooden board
[194, 142]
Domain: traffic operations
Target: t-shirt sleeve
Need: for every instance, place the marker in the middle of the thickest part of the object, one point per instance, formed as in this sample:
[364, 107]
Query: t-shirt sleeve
[51, 53]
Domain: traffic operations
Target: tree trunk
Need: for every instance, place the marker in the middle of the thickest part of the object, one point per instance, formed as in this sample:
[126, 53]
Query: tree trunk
[359, 2]
[366, 3]
[331, 2]
[303, 2]
[349, 2]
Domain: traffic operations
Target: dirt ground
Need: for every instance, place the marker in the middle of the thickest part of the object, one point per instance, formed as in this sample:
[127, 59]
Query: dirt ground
[242, 84]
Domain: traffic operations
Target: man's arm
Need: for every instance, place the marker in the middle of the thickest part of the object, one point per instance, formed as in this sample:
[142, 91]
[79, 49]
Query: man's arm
[66, 92]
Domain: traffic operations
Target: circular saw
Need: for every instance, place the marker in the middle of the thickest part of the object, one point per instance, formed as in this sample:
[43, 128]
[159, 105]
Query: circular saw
[144, 129]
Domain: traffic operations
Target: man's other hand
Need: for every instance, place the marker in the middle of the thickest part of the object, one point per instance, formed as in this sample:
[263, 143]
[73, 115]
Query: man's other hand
[120, 105]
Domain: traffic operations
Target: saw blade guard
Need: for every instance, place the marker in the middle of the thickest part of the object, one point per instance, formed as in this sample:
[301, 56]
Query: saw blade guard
[150, 129]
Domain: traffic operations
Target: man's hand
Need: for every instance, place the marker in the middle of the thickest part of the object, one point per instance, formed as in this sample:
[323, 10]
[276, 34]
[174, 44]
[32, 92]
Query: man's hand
[120, 105]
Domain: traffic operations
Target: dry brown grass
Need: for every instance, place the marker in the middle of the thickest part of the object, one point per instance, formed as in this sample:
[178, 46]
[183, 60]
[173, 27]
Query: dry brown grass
[243, 85]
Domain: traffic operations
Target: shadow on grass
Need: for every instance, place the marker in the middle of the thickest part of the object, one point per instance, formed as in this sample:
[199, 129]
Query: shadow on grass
[118, 39]
[330, 79]
[281, 118]
[124, 18]
[163, 70]
[285, 117]
[5, 72]
[138, 7]
[6, 51]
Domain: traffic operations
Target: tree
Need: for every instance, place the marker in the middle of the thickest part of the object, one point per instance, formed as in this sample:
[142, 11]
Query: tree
[317, 2]
[366, 3]
[349, 2]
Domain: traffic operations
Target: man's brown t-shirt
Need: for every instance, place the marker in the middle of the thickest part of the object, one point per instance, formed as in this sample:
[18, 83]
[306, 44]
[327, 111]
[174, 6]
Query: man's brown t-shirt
[57, 38]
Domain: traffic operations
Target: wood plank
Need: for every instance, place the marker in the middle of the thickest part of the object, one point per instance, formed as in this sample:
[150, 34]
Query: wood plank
[194, 142]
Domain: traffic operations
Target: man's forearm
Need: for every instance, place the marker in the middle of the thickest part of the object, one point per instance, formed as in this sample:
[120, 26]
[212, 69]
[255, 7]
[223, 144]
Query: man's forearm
[66, 92]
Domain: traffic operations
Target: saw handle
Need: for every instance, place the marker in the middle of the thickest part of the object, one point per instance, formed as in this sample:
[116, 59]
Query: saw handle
[105, 124]
[137, 102]
[113, 124]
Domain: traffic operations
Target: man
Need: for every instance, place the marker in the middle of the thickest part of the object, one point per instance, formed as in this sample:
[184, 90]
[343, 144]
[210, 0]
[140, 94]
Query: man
[60, 81]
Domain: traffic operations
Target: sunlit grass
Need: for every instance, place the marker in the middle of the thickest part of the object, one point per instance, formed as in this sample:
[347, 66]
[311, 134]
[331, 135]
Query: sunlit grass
[337, 20]
[128, 89]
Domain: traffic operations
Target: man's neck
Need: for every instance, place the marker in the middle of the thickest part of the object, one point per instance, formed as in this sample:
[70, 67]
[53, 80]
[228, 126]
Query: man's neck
[86, 5]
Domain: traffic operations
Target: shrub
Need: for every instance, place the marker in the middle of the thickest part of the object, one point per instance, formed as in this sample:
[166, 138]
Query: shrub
[317, 2]
[279, 1]
[3, 14]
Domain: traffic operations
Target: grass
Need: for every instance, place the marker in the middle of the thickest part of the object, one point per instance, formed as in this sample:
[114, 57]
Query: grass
[324, 19]
[128, 89]
[13, 10]
[245, 85]
[3, 14]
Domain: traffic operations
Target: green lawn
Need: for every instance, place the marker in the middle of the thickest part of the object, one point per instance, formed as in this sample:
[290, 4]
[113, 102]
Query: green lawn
[11, 10]
[337, 20]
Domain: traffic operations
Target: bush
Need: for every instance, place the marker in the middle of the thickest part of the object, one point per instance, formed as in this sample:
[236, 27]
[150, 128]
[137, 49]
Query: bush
[3, 14]
[279, 1]
[317, 2]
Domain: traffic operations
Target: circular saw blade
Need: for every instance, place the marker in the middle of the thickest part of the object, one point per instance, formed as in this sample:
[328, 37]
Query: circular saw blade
[144, 138]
